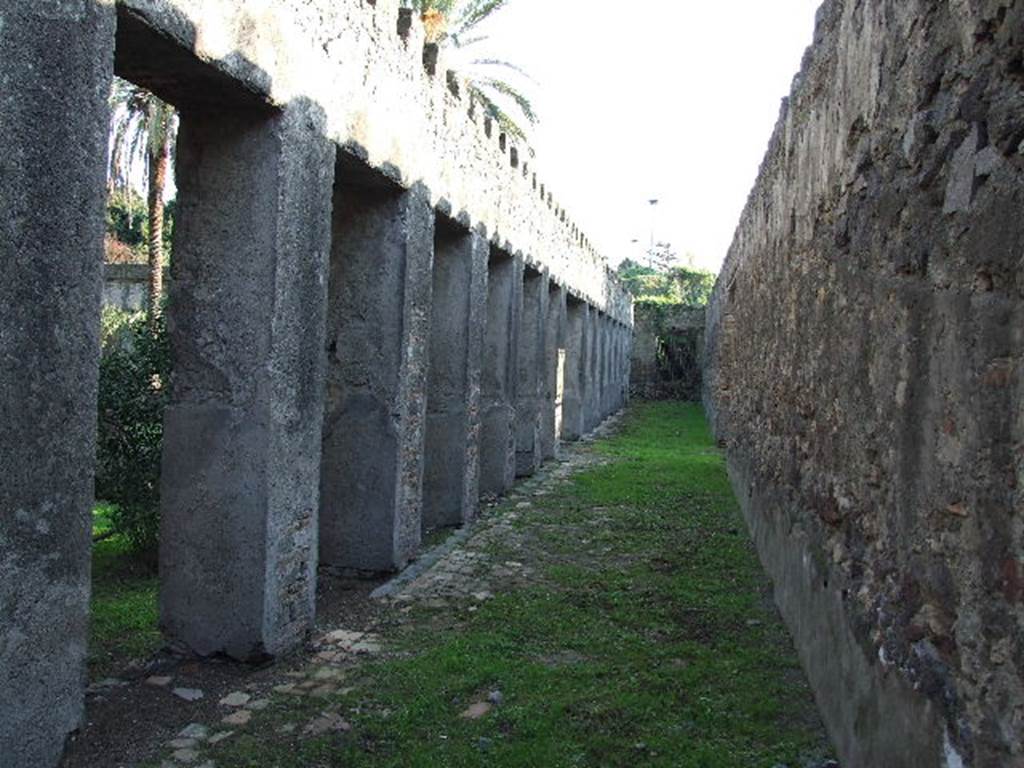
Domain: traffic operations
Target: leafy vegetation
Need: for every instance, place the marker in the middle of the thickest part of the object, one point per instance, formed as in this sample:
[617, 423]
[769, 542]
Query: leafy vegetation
[454, 23]
[647, 639]
[128, 228]
[668, 283]
[134, 370]
[124, 600]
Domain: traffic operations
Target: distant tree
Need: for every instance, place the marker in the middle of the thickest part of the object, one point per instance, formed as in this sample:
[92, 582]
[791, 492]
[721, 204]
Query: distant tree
[454, 23]
[142, 138]
[693, 286]
[636, 277]
[662, 281]
[126, 218]
[662, 257]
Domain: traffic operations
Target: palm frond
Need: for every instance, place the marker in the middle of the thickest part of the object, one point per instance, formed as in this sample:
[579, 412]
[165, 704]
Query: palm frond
[509, 126]
[524, 104]
[141, 125]
[458, 42]
[504, 65]
[475, 11]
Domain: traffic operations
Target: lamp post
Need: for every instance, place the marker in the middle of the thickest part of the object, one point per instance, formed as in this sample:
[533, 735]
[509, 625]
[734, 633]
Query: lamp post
[650, 251]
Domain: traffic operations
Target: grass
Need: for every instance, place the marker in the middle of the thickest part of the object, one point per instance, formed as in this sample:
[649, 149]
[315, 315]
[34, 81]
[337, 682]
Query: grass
[647, 640]
[123, 611]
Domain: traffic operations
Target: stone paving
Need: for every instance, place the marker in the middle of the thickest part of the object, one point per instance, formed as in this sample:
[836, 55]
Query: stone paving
[462, 571]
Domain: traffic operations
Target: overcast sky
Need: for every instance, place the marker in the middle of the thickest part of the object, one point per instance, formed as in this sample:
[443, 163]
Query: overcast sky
[666, 99]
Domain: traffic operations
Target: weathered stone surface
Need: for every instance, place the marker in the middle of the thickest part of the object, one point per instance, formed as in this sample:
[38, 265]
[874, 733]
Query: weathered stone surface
[377, 349]
[348, 57]
[576, 356]
[267, 91]
[54, 78]
[240, 472]
[498, 373]
[451, 483]
[864, 373]
[592, 371]
[530, 360]
[553, 383]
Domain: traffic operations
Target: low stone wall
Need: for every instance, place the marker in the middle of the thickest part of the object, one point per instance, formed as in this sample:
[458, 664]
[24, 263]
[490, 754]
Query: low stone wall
[863, 372]
[126, 286]
[668, 349]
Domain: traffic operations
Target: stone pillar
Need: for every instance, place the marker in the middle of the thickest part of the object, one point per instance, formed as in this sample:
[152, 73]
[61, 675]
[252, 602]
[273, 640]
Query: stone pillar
[378, 326]
[627, 361]
[554, 373]
[620, 366]
[57, 64]
[613, 367]
[592, 385]
[531, 380]
[240, 469]
[604, 353]
[498, 379]
[574, 398]
[609, 366]
[451, 483]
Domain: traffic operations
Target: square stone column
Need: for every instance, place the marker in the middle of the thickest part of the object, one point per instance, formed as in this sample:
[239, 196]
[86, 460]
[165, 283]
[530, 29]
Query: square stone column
[627, 361]
[606, 367]
[619, 367]
[378, 331]
[531, 383]
[554, 373]
[574, 398]
[592, 387]
[451, 482]
[498, 375]
[240, 472]
[57, 62]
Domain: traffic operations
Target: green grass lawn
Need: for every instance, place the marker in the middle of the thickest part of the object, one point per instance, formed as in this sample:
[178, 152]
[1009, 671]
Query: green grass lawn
[647, 640]
[123, 612]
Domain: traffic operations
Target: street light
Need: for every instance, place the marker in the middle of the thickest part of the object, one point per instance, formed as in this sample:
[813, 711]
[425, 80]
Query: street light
[654, 212]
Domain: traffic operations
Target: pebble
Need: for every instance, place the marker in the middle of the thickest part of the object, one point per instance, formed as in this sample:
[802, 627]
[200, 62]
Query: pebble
[496, 698]
[194, 731]
[236, 699]
[188, 694]
[259, 704]
[217, 738]
[158, 681]
[182, 744]
[241, 717]
[186, 755]
[476, 711]
[330, 721]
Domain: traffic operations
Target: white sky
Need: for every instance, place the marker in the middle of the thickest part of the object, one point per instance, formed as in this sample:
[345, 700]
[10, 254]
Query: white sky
[667, 99]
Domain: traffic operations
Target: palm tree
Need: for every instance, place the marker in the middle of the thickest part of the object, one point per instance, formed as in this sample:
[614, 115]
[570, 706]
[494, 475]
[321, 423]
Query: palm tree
[454, 23]
[142, 139]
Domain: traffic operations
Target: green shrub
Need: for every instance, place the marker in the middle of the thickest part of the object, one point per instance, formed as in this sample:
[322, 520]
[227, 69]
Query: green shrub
[134, 372]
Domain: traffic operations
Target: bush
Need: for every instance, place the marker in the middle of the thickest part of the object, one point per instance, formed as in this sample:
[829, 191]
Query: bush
[134, 372]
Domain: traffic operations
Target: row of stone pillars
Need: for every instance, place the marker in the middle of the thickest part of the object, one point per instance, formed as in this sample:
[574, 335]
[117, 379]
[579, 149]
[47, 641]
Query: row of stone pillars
[351, 366]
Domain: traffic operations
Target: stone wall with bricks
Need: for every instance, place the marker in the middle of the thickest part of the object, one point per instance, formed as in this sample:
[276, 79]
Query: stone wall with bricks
[863, 371]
